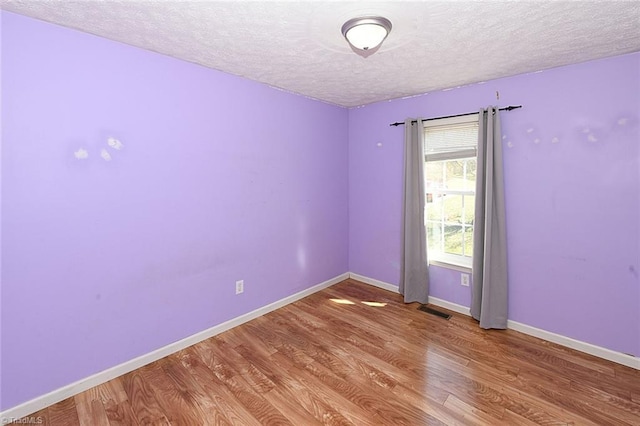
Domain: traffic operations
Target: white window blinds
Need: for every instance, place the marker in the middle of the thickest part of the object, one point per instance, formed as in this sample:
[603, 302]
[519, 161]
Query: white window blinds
[450, 141]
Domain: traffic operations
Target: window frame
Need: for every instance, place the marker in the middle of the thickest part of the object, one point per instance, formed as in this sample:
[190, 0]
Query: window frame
[452, 261]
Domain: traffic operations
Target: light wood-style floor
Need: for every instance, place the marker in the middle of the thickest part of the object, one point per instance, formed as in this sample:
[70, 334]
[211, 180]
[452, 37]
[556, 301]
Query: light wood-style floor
[331, 359]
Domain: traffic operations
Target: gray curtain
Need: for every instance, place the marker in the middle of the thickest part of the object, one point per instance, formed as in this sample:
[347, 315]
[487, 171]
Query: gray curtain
[414, 274]
[489, 298]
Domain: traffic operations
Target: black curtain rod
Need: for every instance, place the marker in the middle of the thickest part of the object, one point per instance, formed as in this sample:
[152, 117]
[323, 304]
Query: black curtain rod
[509, 108]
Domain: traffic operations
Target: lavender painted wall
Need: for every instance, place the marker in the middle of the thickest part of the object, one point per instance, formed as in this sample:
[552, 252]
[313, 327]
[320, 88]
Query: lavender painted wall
[572, 189]
[219, 179]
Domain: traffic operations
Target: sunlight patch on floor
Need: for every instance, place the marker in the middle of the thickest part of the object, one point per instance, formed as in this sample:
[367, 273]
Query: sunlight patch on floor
[349, 302]
[375, 304]
[342, 301]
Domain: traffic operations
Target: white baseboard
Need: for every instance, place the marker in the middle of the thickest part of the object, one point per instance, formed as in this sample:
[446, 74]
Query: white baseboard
[82, 385]
[375, 283]
[394, 288]
[600, 352]
[450, 306]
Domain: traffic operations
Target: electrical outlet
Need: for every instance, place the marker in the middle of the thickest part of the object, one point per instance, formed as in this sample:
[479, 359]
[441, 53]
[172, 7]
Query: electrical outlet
[464, 280]
[239, 286]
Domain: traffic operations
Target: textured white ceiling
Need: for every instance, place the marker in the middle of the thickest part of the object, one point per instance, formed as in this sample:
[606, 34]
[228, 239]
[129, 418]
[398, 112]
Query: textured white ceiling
[297, 45]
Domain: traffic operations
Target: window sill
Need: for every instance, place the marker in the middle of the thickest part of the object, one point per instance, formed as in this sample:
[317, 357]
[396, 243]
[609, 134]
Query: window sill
[448, 265]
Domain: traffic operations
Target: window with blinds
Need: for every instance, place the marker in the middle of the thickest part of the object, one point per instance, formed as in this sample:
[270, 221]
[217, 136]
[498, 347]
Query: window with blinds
[450, 175]
[451, 138]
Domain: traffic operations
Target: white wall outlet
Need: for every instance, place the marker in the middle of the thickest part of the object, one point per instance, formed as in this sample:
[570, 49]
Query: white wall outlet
[239, 286]
[464, 280]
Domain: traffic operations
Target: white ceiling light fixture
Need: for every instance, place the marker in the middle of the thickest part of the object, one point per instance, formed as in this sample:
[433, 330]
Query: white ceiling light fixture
[366, 34]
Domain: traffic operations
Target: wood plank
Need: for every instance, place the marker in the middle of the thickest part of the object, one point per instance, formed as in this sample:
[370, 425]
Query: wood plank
[319, 362]
[120, 414]
[226, 409]
[64, 412]
[470, 414]
[259, 408]
[143, 402]
[90, 410]
[177, 406]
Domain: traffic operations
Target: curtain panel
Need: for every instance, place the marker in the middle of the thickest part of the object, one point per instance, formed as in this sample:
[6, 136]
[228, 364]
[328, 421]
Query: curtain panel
[489, 295]
[414, 272]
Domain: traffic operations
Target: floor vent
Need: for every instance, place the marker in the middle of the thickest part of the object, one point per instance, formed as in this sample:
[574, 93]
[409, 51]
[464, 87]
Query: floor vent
[428, 310]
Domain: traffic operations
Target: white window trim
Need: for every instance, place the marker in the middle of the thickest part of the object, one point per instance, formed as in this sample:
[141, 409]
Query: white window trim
[455, 155]
[451, 261]
[451, 265]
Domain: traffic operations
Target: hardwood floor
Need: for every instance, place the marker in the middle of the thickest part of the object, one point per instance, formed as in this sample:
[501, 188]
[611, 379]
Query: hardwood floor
[331, 359]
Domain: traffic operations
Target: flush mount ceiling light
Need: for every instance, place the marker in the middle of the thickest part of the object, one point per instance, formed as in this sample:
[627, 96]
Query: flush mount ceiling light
[366, 33]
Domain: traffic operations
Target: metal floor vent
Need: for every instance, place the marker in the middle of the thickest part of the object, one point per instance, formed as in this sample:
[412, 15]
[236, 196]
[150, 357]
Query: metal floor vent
[428, 310]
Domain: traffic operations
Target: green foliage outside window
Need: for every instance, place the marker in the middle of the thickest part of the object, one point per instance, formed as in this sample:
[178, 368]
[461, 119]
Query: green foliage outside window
[450, 205]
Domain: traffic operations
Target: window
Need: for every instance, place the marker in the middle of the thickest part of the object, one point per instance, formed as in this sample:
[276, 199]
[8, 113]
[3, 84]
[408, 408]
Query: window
[450, 184]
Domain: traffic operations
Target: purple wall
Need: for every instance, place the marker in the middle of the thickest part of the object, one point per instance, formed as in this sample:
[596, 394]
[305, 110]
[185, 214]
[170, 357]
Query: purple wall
[219, 179]
[572, 189]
